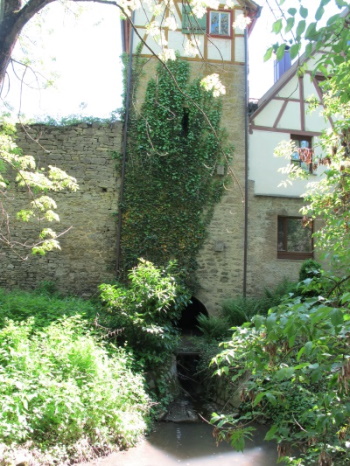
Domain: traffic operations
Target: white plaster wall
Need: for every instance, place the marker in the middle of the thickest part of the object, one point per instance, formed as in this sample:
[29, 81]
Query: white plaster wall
[150, 42]
[219, 49]
[263, 166]
[239, 49]
[177, 41]
[291, 117]
[142, 16]
[268, 116]
[237, 12]
[291, 89]
[309, 88]
[315, 122]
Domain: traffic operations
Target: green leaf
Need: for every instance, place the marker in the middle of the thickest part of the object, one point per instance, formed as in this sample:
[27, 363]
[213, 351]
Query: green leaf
[309, 49]
[311, 32]
[300, 353]
[290, 24]
[280, 51]
[303, 12]
[277, 26]
[284, 373]
[308, 347]
[271, 321]
[271, 433]
[345, 298]
[319, 13]
[268, 54]
[332, 20]
[336, 317]
[300, 28]
[294, 50]
[271, 398]
[292, 11]
[258, 321]
[258, 398]
[341, 3]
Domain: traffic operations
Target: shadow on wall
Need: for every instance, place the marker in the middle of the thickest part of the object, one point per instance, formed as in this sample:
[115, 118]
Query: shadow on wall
[188, 324]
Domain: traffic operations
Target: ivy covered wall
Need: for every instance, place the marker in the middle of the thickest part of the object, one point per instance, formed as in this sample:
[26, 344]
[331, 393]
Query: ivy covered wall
[176, 149]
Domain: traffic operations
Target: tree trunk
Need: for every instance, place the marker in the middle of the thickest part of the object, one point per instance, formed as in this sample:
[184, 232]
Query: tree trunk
[13, 17]
[8, 40]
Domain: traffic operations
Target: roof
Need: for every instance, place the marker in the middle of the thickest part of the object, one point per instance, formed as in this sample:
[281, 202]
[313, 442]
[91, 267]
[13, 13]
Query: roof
[266, 98]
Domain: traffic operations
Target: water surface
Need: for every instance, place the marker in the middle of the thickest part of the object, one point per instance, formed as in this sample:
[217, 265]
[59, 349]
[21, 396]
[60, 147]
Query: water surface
[189, 444]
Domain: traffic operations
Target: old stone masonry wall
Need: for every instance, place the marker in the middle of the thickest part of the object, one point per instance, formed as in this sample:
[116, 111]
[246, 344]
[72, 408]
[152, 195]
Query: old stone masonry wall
[88, 255]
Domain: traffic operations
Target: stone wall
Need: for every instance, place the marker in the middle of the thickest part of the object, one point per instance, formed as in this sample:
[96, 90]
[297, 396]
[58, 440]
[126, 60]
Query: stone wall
[88, 254]
[264, 269]
[221, 259]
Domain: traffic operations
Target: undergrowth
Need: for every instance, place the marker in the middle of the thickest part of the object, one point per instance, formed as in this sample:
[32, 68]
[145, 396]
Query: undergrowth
[66, 393]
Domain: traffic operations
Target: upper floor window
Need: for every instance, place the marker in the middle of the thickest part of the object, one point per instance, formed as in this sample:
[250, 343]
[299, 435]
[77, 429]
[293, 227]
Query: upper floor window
[303, 154]
[220, 23]
[294, 238]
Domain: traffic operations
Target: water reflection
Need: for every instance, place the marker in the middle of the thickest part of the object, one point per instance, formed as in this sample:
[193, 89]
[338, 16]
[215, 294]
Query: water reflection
[191, 445]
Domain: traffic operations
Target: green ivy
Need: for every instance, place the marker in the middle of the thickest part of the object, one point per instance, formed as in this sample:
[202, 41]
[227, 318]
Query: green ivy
[171, 183]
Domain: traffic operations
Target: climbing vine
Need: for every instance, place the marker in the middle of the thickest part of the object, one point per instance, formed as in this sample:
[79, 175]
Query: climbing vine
[171, 183]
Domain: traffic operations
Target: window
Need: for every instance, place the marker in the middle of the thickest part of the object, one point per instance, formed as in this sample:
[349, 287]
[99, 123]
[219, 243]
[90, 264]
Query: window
[302, 157]
[294, 238]
[220, 23]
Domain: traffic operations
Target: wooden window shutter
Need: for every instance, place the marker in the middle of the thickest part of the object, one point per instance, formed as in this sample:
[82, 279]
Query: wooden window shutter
[191, 24]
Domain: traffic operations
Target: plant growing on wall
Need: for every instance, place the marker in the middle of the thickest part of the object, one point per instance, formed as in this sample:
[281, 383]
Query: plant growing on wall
[171, 184]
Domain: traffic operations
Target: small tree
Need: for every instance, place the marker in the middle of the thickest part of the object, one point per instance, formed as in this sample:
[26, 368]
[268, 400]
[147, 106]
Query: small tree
[21, 180]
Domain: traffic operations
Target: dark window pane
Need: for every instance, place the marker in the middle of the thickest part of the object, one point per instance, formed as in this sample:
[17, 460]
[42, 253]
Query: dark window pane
[280, 237]
[298, 237]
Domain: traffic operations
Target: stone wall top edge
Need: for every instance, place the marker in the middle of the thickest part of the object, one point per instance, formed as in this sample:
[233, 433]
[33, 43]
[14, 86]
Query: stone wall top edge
[93, 124]
[277, 196]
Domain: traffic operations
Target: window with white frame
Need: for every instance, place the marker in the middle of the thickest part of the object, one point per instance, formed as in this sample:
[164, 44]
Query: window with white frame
[220, 23]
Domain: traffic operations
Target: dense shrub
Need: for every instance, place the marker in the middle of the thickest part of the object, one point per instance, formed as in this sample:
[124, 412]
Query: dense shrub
[294, 369]
[239, 310]
[309, 269]
[144, 311]
[65, 393]
[43, 306]
[213, 327]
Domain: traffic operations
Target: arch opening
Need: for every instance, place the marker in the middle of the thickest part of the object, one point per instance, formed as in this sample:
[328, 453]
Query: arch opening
[188, 323]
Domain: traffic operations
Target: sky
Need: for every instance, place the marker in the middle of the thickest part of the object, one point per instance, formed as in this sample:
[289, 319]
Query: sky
[80, 52]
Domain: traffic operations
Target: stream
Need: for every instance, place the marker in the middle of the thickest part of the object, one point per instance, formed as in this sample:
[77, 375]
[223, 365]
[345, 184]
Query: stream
[191, 444]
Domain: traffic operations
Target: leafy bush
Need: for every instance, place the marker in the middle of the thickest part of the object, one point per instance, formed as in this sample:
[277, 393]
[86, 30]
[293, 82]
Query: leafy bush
[43, 307]
[213, 327]
[309, 269]
[294, 369]
[143, 313]
[60, 388]
[275, 296]
[240, 310]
